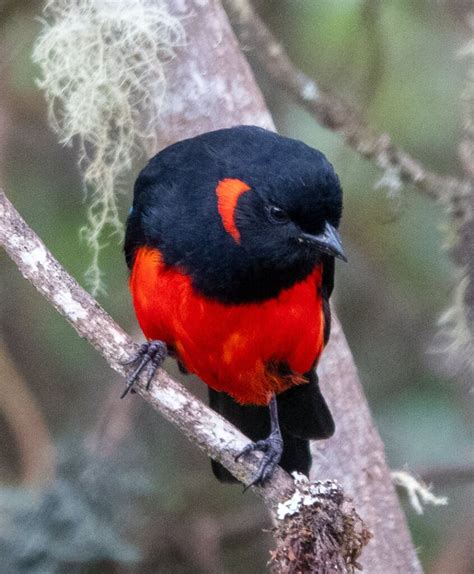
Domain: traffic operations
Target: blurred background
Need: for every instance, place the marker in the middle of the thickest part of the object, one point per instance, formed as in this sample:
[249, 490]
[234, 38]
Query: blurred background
[124, 491]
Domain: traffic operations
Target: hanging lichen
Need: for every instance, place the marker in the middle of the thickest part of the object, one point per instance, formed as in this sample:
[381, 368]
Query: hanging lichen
[102, 67]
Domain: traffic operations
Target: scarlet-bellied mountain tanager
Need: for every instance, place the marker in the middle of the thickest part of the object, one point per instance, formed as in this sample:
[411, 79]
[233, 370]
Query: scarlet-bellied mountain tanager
[231, 243]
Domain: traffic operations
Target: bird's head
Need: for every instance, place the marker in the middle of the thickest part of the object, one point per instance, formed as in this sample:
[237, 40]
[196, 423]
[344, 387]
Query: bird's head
[284, 202]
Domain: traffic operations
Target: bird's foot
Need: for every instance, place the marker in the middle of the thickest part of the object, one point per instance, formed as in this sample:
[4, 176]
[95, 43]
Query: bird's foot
[272, 447]
[150, 356]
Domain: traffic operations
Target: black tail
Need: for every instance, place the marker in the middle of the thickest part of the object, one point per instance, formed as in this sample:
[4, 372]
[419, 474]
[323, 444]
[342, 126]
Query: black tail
[303, 414]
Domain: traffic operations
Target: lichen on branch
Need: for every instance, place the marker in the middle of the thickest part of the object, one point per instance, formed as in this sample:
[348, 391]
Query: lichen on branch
[318, 530]
[418, 492]
[102, 69]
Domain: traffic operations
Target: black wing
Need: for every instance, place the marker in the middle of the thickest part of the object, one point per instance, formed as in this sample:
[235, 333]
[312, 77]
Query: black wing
[254, 422]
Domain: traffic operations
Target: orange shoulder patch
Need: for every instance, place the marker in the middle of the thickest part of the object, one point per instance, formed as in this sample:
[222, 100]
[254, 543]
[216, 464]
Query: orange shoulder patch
[228, 192]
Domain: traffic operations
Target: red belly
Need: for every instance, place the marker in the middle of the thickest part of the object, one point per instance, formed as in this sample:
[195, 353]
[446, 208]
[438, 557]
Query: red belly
[232, 348]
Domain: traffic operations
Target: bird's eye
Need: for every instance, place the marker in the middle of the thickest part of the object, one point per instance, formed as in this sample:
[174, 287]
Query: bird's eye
[277, 215]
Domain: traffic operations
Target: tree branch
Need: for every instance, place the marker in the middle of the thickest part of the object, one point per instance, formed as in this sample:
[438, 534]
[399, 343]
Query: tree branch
[332, 112]
[456, 195]
[210, 432]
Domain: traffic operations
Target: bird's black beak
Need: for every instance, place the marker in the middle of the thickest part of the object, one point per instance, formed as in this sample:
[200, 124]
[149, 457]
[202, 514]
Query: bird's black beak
[328, 241]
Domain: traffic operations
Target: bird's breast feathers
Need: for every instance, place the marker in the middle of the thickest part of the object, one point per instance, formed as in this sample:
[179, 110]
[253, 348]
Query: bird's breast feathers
[236, 348]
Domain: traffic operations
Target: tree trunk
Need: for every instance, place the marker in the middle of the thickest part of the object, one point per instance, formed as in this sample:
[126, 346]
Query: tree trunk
[211, 86]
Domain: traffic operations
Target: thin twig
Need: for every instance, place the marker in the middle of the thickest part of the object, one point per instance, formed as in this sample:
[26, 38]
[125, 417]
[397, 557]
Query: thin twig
[456, 195]
[332, 112]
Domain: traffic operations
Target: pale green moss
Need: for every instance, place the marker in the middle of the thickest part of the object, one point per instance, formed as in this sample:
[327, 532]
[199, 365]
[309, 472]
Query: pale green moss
[102, 69]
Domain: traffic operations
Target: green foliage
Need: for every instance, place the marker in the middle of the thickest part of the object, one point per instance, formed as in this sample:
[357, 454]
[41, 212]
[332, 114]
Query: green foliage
[77, 520]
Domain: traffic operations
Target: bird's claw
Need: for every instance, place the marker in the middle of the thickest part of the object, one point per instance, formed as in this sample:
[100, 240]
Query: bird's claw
[150, 355]
[272, 447]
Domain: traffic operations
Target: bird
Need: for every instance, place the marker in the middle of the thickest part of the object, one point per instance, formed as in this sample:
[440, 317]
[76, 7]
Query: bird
[231, 244]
